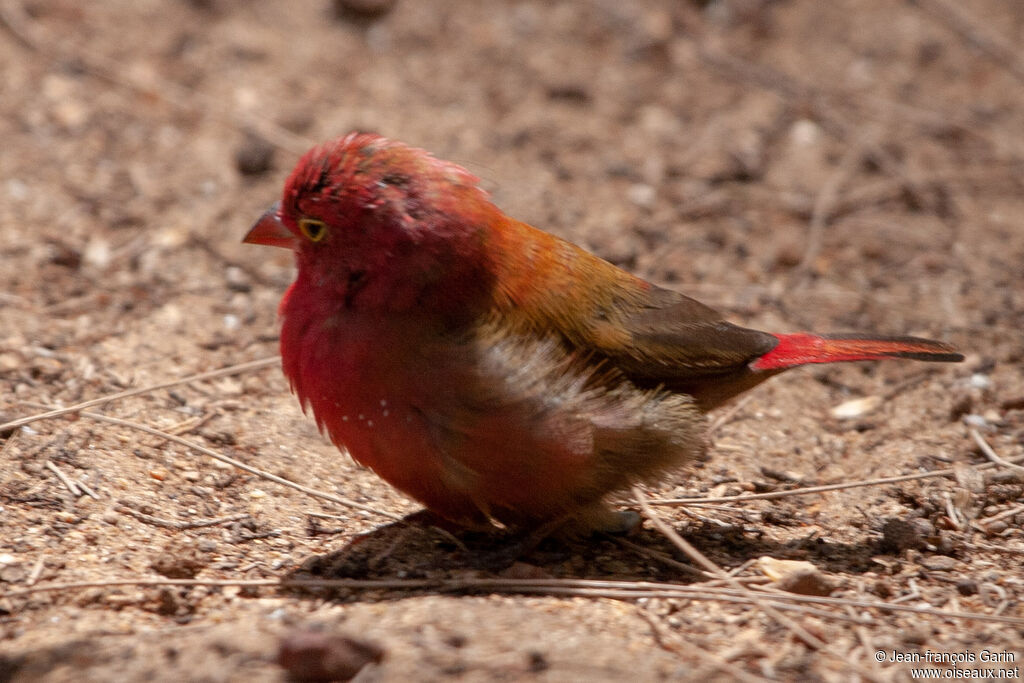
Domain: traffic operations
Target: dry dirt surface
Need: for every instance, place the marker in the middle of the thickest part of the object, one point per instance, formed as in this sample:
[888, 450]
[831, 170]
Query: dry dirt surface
[826, 165]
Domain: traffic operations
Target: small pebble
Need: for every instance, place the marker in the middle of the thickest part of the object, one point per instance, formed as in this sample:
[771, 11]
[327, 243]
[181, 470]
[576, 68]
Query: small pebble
[254, 157]
[13, 573]
[9, 362]
[980, 381]
[178, 563]
[642, 194]
[899, 535]
[237, 280]
[996, 527]
[856, 407]
[309, 655]
[796, 576]
[536, 661]
[806, 583]
[16, 189]
[939, 563]
[917, 635]
[975, 420]
[805, 133]
[923, 526]
[97, 253]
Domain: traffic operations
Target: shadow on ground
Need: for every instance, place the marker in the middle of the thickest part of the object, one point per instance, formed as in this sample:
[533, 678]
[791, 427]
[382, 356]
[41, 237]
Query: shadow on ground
[419, 547]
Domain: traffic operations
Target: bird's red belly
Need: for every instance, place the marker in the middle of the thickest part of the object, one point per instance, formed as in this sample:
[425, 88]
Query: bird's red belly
[428, 417]
[366, 392]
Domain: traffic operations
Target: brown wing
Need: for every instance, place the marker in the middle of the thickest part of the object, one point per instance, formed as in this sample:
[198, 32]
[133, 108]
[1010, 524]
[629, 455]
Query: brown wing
[652, 335]
[680, 343]
[674, 336]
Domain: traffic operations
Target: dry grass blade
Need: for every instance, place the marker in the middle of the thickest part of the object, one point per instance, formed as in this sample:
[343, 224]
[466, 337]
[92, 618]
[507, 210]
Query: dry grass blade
[994, 548]
[240, 465]
[663, 558]
[864, 637]
[1005, 514]
[728, 414]
[822, 213]
[712, 662]
[178, 525]
[771, 610]
[990, 453]
[222, 372]
[70, 485]
[808, 490]
[619, 590]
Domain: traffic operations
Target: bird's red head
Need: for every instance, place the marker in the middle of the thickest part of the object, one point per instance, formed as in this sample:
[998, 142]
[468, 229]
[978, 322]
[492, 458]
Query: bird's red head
[366, 212]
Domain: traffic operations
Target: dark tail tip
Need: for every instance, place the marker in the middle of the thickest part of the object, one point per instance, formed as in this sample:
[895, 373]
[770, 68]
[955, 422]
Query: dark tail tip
[802, 348]
[913, 348]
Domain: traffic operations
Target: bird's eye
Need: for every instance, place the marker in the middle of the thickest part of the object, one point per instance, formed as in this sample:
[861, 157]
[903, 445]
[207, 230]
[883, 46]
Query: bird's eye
[313, 229]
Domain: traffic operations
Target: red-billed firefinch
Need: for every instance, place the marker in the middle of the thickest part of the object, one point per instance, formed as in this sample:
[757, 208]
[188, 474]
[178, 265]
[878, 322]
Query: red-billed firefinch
[490, 370]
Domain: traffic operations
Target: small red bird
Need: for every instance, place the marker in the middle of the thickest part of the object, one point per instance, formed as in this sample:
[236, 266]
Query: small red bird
[492, 371]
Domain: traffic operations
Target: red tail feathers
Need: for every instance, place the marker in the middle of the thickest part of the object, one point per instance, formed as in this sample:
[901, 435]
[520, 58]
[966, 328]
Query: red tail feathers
[803, 348]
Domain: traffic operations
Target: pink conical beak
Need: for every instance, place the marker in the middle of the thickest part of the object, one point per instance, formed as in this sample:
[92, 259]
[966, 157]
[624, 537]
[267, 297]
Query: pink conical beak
[270, 230]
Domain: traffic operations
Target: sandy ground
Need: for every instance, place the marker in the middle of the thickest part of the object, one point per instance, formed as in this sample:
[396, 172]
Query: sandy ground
[799, 165]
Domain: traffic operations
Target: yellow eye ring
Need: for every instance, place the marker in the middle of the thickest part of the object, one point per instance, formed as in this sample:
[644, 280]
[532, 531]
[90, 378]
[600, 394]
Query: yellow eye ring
[313, 229]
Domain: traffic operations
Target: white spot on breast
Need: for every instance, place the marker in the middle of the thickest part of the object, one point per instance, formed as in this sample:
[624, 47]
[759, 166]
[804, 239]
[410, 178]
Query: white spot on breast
[369, 423]
[361, 417]
[344, 418]
[383, 403]
[386, 412]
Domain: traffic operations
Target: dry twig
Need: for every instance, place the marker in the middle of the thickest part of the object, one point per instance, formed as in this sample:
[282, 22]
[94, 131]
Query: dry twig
[239, 464]
[70, 485]
[1005, 514]
[620, 590]
[990, 453]
[771, 610]
[947, 472]
[178, 525]
[102, 400]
